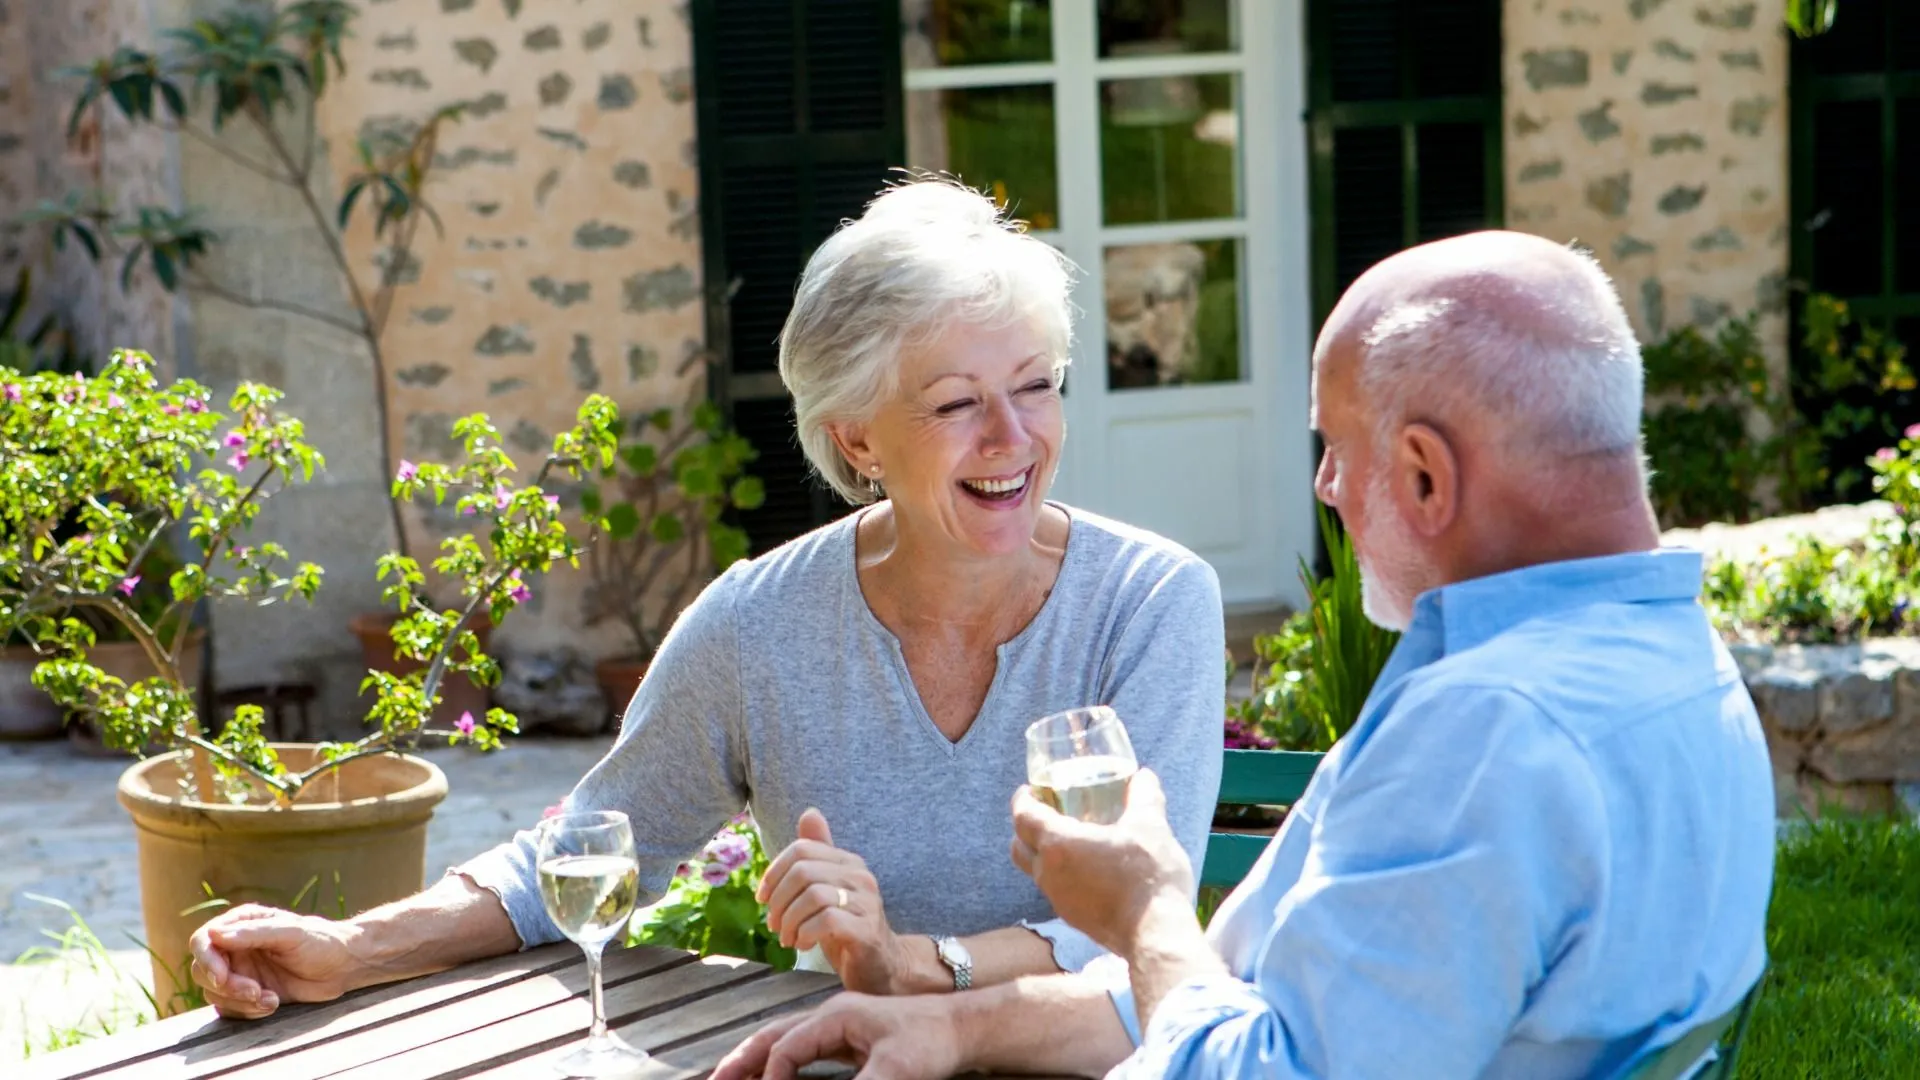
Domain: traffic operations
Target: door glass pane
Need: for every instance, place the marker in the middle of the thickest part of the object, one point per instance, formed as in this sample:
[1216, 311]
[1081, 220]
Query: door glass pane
[1846, 222]
[1159, 27]
[998, 139]
[1173, 313]
[1168, 148]
[950, 33]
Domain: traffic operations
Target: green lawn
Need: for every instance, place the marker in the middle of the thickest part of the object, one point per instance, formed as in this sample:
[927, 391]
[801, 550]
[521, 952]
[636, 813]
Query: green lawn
[1843, 990]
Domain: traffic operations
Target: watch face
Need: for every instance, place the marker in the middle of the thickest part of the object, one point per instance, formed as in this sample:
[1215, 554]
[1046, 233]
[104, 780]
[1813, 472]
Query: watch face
[955, 953]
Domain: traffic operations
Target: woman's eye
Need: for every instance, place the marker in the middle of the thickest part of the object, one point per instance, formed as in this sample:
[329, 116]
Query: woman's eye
[1041, 386]
[952, 407]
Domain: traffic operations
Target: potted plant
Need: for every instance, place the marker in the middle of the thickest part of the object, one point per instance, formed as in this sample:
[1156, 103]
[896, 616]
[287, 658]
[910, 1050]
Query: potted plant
[224, 816]
[661, 509]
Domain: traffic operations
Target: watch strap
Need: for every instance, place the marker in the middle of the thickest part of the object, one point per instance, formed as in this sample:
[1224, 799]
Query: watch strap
[962, 968]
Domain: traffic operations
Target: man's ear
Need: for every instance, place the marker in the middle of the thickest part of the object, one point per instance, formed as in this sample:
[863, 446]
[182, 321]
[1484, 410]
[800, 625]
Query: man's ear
[1428, 476]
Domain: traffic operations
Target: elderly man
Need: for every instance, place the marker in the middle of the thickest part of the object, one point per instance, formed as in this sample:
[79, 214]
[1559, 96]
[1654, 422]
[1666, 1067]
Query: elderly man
[1545, 848]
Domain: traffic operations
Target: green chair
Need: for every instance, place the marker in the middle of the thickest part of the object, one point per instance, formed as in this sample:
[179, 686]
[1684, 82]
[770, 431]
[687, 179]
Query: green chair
[1252, 778]
[1672, 1062]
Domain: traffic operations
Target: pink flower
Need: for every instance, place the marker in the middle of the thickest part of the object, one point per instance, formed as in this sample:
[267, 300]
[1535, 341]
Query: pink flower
[1913, 431]
[501, 497]
[553, 811]
[408, 470]
[128, 584]
[552, 501]
[12, 391]
[195, 405]
[238, 461]
[729, 850]
[170, 410]
[715, 874]
[234, 439]
[464, 725]
[1885, 453]
[114, 401]
[519, 591]
[66, 397]
[467, 509]
[684, 870]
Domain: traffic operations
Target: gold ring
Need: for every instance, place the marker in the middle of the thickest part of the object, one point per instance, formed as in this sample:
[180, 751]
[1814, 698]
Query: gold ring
[843, 898]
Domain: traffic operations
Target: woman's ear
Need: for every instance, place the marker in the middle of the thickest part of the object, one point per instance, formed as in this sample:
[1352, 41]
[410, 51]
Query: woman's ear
[851, 440]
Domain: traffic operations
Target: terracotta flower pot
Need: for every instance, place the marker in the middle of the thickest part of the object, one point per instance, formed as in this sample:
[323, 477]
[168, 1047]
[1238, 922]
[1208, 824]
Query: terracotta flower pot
[619, 678]
[126, 661]
[457, 692]
[26, 712]
[353, 840]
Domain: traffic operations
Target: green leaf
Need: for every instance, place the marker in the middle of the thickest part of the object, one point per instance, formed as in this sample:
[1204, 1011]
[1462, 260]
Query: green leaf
[590, 501]
[622, 520]
[667, 528]
[728, 545]
[748, 493]
[640, 458]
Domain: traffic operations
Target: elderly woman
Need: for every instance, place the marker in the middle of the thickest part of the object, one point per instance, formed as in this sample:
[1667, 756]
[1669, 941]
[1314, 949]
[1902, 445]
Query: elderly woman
[865, 688]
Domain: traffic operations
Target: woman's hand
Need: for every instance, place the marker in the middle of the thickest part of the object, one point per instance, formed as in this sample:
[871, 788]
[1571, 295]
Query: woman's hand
[817, 894]
[252, 958]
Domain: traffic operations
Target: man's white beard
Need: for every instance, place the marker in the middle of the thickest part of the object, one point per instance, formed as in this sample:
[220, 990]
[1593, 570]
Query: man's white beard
[1394, 544]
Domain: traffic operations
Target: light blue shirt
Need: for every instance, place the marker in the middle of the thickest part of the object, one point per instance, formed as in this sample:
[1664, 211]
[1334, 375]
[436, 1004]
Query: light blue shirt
[1545, 850]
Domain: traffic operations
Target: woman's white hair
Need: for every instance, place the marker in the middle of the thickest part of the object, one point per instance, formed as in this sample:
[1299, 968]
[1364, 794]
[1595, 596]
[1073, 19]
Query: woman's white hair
[926, 255]
[1552, 356]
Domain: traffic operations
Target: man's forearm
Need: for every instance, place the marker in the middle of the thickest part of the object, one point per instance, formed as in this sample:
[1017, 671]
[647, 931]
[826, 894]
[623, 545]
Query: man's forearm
[441, 927]
[1169, 949]
[1062, 1024]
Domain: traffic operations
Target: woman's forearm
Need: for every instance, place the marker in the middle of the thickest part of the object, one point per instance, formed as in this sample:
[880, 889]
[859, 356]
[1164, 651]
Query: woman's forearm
[449, 924]
[999, 956]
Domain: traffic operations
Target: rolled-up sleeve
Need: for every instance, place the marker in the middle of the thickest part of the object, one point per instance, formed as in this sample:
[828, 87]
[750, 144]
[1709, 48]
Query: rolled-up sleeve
[1409, 937]
[678, 768]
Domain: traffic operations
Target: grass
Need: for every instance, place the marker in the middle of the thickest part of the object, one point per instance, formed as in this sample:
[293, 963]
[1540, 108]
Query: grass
[78, 950]
[1843, 936]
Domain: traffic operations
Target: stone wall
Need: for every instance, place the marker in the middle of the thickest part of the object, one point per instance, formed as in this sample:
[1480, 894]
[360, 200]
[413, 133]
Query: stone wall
[1655, 133]
[39, 161]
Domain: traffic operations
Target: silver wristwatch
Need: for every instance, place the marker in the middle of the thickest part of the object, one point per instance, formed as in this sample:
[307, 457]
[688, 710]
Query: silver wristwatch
[956, 957]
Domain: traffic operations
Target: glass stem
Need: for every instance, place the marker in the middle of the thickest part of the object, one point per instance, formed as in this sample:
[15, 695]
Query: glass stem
[599, 1031]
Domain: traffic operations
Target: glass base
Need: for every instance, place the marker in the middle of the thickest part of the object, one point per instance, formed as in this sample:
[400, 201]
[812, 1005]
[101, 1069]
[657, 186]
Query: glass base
[608, 1055]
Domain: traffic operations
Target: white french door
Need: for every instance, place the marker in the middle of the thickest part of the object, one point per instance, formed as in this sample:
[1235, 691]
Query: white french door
[1159, 143]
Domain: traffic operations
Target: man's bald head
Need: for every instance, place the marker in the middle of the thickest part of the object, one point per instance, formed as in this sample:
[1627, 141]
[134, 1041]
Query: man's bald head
[1499, 336]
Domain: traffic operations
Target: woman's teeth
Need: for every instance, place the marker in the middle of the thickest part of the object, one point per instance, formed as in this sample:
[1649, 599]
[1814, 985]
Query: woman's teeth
[996, 487]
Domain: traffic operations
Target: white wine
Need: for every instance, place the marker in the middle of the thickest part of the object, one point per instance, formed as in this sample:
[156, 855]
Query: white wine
[589, 896]
[1092, 788]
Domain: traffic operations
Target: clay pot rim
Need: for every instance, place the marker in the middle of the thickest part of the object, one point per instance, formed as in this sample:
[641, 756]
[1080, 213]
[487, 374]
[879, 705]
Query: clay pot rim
[414, 802]
[196, 634]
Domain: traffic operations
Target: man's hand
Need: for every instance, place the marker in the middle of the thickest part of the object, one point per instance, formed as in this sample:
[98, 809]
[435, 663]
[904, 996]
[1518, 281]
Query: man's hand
[900, 1038]
[252, 958]
[1104, 880]
[818, 894]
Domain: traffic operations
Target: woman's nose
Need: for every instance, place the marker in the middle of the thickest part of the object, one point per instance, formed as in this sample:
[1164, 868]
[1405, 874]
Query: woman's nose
[1006, 431]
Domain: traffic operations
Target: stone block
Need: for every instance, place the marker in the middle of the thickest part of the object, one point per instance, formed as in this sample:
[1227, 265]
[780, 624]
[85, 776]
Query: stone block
[1787, 700]
[1857, 699]
[551, 690]
[1888, 752]
[1816, 797]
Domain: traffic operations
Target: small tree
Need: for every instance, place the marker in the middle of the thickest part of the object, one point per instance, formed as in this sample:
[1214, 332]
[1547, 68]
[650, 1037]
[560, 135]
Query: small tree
[128, 461]
[266, 68]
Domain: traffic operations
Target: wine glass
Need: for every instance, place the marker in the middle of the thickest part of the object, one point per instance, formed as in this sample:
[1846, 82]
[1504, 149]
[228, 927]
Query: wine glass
[590, 879]
[1079, 762]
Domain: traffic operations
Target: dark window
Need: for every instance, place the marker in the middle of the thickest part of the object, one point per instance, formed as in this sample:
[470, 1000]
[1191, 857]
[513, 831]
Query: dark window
[799, 105]
[1404, 110]
[1856, 209]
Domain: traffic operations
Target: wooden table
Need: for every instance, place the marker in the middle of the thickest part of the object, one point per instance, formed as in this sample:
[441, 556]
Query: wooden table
[510, 1016]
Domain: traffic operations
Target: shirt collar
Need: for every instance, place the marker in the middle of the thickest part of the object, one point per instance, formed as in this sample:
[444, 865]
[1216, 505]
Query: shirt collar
[1469, 613]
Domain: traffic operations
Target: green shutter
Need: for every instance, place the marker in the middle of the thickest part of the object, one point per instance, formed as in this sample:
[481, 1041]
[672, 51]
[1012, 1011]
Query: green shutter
[799, 106]
[1404, 111]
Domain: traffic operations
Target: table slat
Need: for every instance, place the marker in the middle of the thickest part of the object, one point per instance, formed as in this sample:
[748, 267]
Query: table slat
[557, 984]
[188, 1056]
[702, 1022]
[531, 1031]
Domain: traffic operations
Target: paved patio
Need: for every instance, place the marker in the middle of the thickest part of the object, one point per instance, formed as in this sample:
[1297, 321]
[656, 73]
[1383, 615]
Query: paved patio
[64, 835]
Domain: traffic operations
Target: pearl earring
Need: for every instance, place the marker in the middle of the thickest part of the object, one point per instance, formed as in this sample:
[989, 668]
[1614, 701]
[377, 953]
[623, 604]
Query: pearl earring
[873, 485]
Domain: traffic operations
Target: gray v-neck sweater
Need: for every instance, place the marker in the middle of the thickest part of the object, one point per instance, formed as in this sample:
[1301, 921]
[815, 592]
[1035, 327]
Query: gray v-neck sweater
[779, 689]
